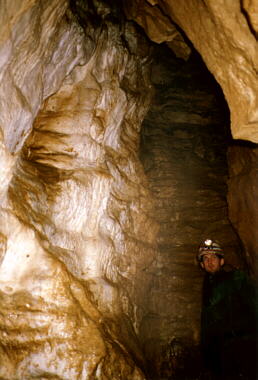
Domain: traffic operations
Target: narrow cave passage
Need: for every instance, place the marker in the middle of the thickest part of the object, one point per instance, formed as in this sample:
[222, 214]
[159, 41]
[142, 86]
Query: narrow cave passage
[184, 142]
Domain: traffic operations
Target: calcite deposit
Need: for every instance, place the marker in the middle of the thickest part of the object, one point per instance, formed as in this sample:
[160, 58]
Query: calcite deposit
[74, 199]
[40, 45]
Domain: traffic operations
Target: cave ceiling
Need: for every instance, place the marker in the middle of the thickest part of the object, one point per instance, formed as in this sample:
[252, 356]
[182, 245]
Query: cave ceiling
[225, 34]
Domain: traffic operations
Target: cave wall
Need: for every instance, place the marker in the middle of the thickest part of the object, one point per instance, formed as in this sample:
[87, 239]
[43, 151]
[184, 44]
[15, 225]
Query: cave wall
[225, 34]
[243, 198]
[76, 234]
[185, 137]
[40, 45]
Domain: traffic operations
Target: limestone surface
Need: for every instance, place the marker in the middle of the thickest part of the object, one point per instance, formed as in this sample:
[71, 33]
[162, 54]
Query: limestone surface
[75, 231]
[225, 34]
[184, 142]
[243, 198]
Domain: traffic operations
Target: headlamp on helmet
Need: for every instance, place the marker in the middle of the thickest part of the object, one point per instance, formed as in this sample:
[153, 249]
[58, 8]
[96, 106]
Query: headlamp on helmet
[209, 246]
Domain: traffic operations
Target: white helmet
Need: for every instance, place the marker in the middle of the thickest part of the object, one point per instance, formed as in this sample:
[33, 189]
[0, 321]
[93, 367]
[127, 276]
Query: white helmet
[209, 246]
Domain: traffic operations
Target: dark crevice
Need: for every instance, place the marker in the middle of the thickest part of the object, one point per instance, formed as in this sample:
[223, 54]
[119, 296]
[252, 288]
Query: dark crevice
[184, 142]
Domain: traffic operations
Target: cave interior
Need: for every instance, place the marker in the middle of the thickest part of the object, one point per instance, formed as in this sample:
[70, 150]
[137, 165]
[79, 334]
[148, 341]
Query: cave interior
[117, 160]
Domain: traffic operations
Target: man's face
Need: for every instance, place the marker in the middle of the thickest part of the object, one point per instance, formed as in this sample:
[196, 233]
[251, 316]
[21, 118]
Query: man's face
[211, 262]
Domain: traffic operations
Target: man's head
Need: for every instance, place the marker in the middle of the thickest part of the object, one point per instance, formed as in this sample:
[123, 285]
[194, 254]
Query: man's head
[211, 256]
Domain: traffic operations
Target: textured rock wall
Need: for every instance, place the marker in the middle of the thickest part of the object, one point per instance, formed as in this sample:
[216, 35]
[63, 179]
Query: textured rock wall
[185, 137]
[243, 198]
[76, 235]
[225, 34]
[40, 44]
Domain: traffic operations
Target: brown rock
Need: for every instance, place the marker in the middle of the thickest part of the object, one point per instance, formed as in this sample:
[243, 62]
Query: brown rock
[243, 198]
[223, 34]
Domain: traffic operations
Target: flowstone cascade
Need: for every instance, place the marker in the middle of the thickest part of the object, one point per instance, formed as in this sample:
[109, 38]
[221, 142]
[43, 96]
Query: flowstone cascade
[76, 235]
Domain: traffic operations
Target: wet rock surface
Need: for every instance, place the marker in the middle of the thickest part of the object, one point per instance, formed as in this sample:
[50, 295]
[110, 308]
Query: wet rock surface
[75, 227]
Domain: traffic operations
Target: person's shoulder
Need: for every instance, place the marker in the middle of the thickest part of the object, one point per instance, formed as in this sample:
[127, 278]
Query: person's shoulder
[230, 273]
[240, 280]
[240, 275]
[234, 271]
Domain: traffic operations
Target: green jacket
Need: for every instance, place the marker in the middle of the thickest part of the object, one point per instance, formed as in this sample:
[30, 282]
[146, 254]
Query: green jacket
[229, 307]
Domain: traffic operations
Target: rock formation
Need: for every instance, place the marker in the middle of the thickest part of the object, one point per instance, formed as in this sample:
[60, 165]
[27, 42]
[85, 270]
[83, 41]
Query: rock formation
[80, 253]
[74, 198]
[243, 198]
[225, 34]
[185, 136]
